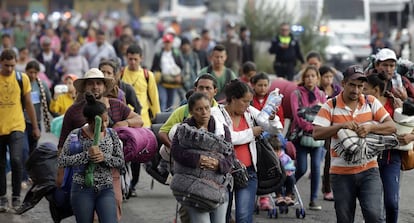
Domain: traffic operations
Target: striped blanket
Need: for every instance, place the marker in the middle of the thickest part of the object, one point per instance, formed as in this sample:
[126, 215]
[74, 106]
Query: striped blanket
[357, 150]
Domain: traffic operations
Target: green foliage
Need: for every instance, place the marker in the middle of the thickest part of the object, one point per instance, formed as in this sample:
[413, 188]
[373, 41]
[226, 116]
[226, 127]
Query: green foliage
[264, 20]
[264, 63]
[310, 39]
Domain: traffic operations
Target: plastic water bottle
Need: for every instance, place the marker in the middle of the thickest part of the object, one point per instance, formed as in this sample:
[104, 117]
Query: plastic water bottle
[74, 148]
[273, 101]
[397, 82]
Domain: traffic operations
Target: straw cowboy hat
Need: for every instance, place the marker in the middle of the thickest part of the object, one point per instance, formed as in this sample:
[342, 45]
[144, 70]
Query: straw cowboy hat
[93, 73]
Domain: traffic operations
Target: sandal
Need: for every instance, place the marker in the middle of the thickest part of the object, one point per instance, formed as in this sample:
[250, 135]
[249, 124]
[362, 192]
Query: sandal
[328, 196]
[289, 201]
[280, 201]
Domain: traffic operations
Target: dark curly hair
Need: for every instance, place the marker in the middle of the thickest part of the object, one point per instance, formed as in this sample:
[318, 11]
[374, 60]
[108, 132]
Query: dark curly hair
[93, 107]
[236, 89]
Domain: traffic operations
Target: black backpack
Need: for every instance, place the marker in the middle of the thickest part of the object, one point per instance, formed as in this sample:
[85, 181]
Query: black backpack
[270, 173]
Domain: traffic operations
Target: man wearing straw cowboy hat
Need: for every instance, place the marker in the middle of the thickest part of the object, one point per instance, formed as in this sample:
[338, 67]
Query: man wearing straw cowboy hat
[119, 115]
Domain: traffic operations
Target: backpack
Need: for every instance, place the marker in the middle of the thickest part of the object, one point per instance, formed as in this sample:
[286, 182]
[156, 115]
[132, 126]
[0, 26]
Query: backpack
[270, 172]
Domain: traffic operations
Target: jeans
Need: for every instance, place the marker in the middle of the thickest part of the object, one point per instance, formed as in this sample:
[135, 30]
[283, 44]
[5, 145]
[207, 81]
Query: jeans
[167, 96]
[245, 199]
[15, 142]
[86, 200]
[389, 166]
[216, 216]
[135, 169]
[367, 187]
[302, 166]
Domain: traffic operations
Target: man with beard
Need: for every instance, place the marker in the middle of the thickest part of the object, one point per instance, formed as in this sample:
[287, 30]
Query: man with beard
[351, 180]
[119, 115]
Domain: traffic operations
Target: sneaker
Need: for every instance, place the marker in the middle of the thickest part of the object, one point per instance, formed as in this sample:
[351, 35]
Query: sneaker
[16, 203]
[289, 201]
[132, 193]
[314, 206]
[328, 196]
[3, 204]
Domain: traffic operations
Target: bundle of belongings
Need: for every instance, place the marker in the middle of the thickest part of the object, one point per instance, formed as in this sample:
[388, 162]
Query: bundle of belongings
[404, 121]
[356, 150]
[42, 169]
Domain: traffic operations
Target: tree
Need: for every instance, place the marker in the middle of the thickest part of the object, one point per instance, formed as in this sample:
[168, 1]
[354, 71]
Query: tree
[263, 20]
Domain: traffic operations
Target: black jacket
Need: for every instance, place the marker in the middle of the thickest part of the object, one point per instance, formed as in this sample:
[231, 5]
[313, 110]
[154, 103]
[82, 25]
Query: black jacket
[286, 55]
[130, 96]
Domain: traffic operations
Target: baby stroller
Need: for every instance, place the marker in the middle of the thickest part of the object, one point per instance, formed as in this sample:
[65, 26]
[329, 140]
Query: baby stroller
[269, 202]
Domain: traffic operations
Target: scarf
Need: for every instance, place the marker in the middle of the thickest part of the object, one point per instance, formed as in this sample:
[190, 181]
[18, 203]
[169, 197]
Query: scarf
[311, 95]
[43, 101]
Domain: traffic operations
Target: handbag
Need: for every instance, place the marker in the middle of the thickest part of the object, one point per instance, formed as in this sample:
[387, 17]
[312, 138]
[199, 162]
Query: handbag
[307, 140]
[295, 134]
[240, 175]
[407, 160]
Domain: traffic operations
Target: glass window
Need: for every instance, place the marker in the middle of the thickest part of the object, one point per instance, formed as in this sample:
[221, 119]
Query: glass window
[334, 9]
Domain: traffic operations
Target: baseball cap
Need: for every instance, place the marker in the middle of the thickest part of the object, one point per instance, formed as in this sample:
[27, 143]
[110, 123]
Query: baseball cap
[386, 54]
[354, 72]
[168, 38]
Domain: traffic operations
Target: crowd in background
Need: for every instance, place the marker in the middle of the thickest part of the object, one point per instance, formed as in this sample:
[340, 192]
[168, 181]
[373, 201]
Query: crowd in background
[156, 77]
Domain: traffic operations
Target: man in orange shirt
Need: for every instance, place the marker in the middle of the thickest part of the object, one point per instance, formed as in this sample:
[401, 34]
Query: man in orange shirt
[354, 111]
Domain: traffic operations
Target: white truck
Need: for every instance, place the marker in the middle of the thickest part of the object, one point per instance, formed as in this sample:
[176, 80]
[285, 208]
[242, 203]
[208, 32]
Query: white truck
[350, 21]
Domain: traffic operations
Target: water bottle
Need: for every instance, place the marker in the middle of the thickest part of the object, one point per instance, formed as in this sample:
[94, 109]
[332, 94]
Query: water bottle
[74, 148]
[397, 82]
[273, 101]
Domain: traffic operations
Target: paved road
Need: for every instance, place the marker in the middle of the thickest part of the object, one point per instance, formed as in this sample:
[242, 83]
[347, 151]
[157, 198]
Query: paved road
[157, 205]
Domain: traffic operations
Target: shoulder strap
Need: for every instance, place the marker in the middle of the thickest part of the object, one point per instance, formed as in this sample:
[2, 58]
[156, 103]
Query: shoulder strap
[333, 109]
[228, 75]
[19, 79]
[79, 133]
[146, 75]
[368, 102]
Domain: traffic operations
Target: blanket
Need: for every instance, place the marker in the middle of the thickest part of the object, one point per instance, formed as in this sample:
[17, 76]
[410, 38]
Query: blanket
[139, 144]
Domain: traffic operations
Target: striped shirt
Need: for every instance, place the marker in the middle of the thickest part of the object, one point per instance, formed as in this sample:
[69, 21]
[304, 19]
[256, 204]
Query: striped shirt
[365, 112]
